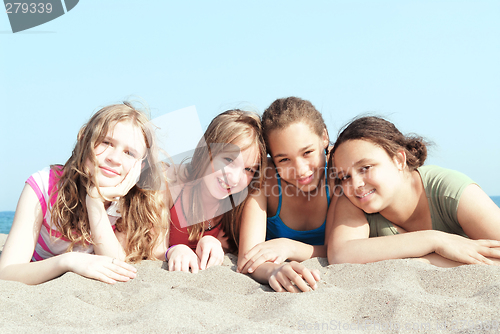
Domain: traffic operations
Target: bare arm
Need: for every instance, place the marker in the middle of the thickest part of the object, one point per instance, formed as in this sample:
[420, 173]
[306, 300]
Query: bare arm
[264, 266]
[103, 236]
[279, 250]
[255, 250]
[300, 251]
[105, 240]
[15, 260]
[162, 239]
[349, 241]
[478, 215]
[160, 244]
[253, 228]
[16, 255]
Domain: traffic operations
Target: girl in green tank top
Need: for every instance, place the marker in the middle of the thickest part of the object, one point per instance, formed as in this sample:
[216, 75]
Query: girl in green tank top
[393, 207]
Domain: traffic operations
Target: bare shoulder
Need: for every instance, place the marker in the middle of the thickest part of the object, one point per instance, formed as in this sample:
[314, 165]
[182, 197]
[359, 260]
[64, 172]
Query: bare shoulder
[478, 215]
[25, 229]
[346, 212]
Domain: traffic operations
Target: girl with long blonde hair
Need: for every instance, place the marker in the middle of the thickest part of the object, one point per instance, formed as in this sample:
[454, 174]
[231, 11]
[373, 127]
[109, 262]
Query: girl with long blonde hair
[101, 208]
[208, 193]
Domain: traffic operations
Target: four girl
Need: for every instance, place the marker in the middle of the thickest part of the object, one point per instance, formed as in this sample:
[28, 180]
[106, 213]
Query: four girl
[113, 201]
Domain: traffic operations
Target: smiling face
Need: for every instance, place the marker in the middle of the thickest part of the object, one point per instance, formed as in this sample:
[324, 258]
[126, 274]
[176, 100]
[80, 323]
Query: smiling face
[370, 177]
[231, 170]
[122, 147]
[299, 154]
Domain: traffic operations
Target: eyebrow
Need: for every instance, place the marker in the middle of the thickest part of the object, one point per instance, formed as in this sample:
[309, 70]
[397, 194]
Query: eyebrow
[279, 155]
[361, 162]
[134, 152]
[356, 164]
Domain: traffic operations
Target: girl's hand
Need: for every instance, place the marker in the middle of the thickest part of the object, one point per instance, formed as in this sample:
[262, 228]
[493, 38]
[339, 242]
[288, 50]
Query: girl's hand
[468, 251]
[121, 189]
[182, 258]
[102, 268]
[292, 277]
[274, 250]
[210, 252]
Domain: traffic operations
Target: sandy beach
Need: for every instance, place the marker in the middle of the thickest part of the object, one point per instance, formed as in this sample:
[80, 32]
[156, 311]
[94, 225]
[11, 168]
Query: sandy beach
[391, 296]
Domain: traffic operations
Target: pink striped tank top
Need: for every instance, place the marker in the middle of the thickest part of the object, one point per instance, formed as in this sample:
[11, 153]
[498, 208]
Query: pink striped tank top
[50, 241]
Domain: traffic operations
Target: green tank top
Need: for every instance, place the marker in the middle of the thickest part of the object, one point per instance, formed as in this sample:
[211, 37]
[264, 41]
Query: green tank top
[443, 188]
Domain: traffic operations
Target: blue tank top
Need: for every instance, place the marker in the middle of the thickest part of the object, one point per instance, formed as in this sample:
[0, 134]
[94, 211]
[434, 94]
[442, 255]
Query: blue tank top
[277, 229]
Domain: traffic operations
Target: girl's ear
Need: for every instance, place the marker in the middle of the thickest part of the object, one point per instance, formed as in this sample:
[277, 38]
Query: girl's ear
[325, 138]
[400, 160]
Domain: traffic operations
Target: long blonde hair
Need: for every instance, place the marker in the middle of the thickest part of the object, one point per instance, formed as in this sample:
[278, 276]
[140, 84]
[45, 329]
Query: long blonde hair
[143, 213]
[229, 127]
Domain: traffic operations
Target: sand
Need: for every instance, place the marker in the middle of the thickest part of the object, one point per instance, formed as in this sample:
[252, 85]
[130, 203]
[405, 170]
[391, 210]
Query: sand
[396, 296]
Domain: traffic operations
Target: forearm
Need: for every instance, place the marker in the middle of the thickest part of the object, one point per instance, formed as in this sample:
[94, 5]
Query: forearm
[253, 226]
[264, 272]
[400, 246]
[160, 248]
[103, 236]
[37, 272]
[302, 251]
[439, 261]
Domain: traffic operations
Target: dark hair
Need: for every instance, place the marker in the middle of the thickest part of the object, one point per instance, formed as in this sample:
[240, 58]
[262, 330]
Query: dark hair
[283, 112]
[384, 134]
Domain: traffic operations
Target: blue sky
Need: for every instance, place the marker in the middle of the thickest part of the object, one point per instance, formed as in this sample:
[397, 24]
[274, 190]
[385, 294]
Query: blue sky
[431, 67]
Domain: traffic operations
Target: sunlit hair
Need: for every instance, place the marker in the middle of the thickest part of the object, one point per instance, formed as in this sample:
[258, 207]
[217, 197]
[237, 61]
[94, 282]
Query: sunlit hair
[143, 212]
[286, 111]
[385, 135]
[237, 127]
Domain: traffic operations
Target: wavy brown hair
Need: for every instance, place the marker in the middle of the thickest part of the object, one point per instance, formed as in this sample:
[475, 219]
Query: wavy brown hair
[229, 127]
[144, 218]
[384, 134]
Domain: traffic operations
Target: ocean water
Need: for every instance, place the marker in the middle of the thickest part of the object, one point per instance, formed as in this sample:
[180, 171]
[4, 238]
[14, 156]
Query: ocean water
[6, 217]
